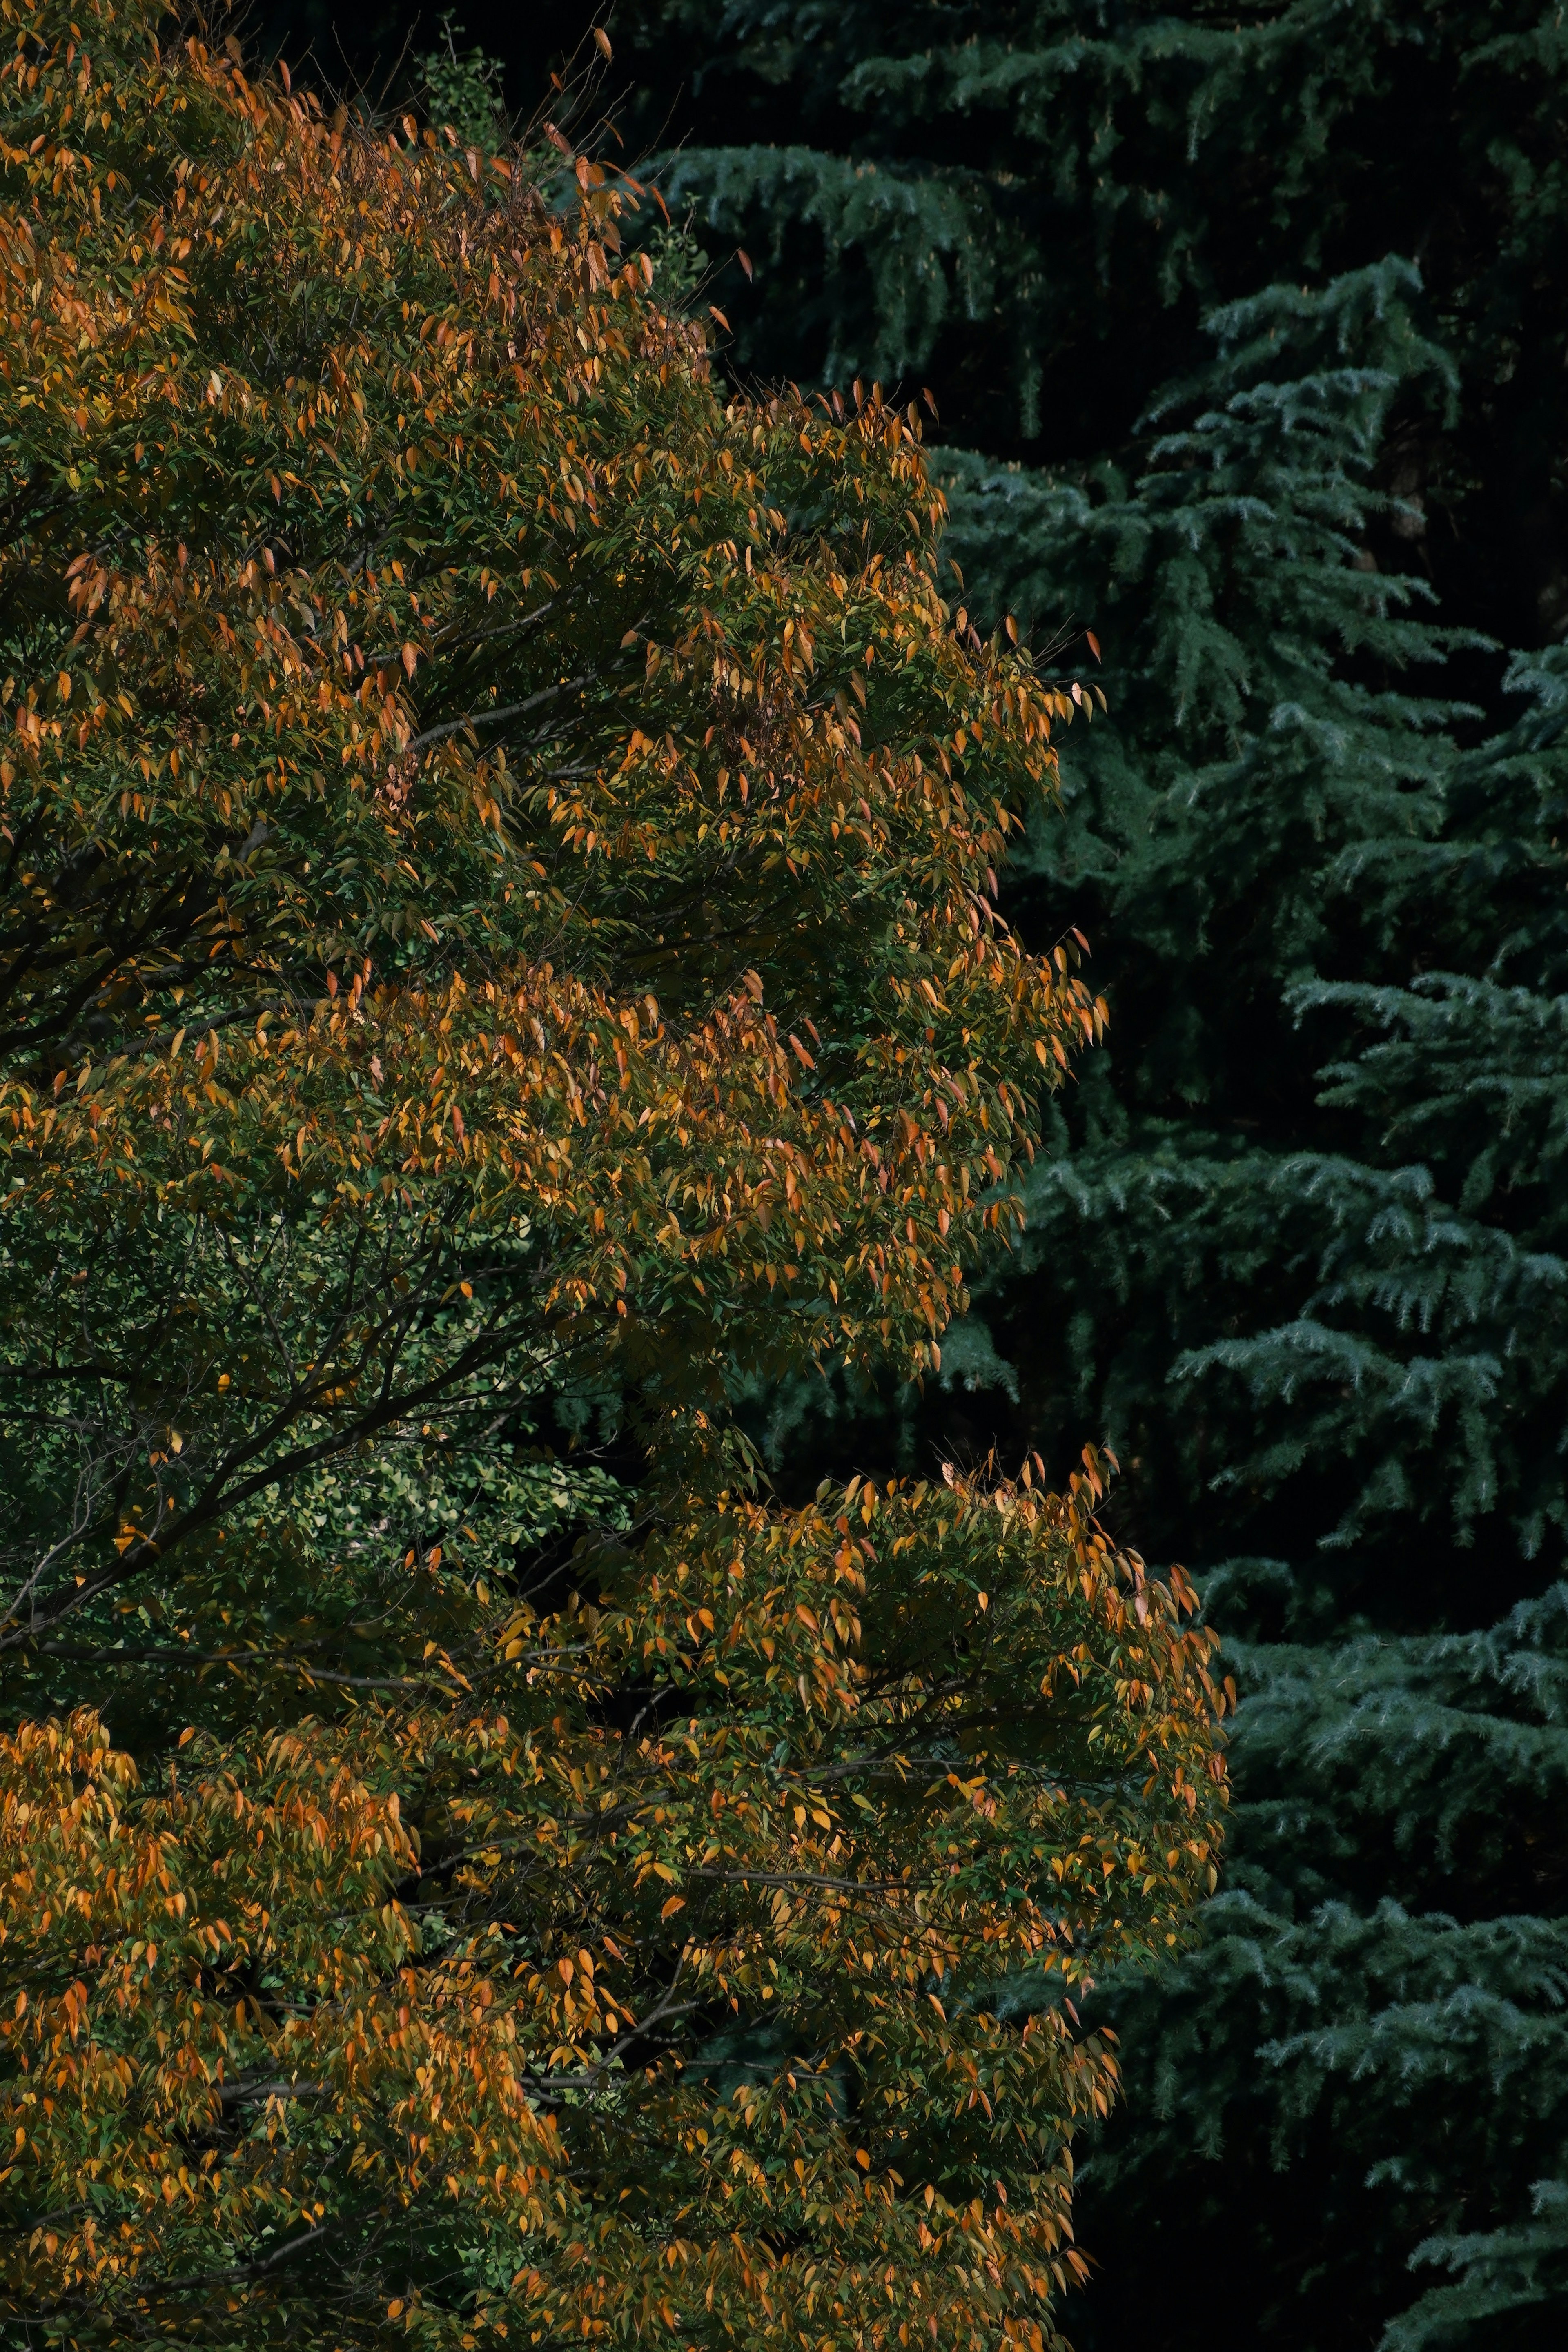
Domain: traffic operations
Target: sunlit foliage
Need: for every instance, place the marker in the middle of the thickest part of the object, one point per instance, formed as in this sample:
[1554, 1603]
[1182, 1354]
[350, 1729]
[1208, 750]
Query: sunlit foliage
[499, 947]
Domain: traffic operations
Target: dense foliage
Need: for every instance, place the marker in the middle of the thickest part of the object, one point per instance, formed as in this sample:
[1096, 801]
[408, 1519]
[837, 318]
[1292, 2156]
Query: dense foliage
[499, 952]
[1032, 205]
[1258, 314]
[1318, 1295]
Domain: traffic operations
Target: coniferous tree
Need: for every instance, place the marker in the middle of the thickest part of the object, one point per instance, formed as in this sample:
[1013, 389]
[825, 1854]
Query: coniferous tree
[1305, 1243]
[1032, 206]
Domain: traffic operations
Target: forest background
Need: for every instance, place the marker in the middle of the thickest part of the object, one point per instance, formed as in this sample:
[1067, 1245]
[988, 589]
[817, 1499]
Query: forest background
[1246, 330]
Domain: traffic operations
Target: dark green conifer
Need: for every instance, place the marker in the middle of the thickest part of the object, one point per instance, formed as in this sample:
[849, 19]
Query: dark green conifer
[1031, 205]
[1306, 1234]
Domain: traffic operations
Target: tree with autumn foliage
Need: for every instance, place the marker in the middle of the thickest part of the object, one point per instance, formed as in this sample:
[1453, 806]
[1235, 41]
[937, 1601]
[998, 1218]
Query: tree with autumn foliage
[498, 951]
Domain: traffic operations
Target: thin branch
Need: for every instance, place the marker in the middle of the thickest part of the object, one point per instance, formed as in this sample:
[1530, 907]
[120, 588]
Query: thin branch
[493, 717]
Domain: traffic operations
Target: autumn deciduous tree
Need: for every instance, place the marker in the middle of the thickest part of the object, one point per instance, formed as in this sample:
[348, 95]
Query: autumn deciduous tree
[500, 851]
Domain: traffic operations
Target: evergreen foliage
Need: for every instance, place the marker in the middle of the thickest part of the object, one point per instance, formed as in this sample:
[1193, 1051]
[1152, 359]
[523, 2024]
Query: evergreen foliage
[1305, 1244]
[455, 1883]
[1032, 206]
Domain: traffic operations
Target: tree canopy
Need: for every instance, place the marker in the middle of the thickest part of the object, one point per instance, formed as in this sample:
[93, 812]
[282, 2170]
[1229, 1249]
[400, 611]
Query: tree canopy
[499, 948]
[1246, 327]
